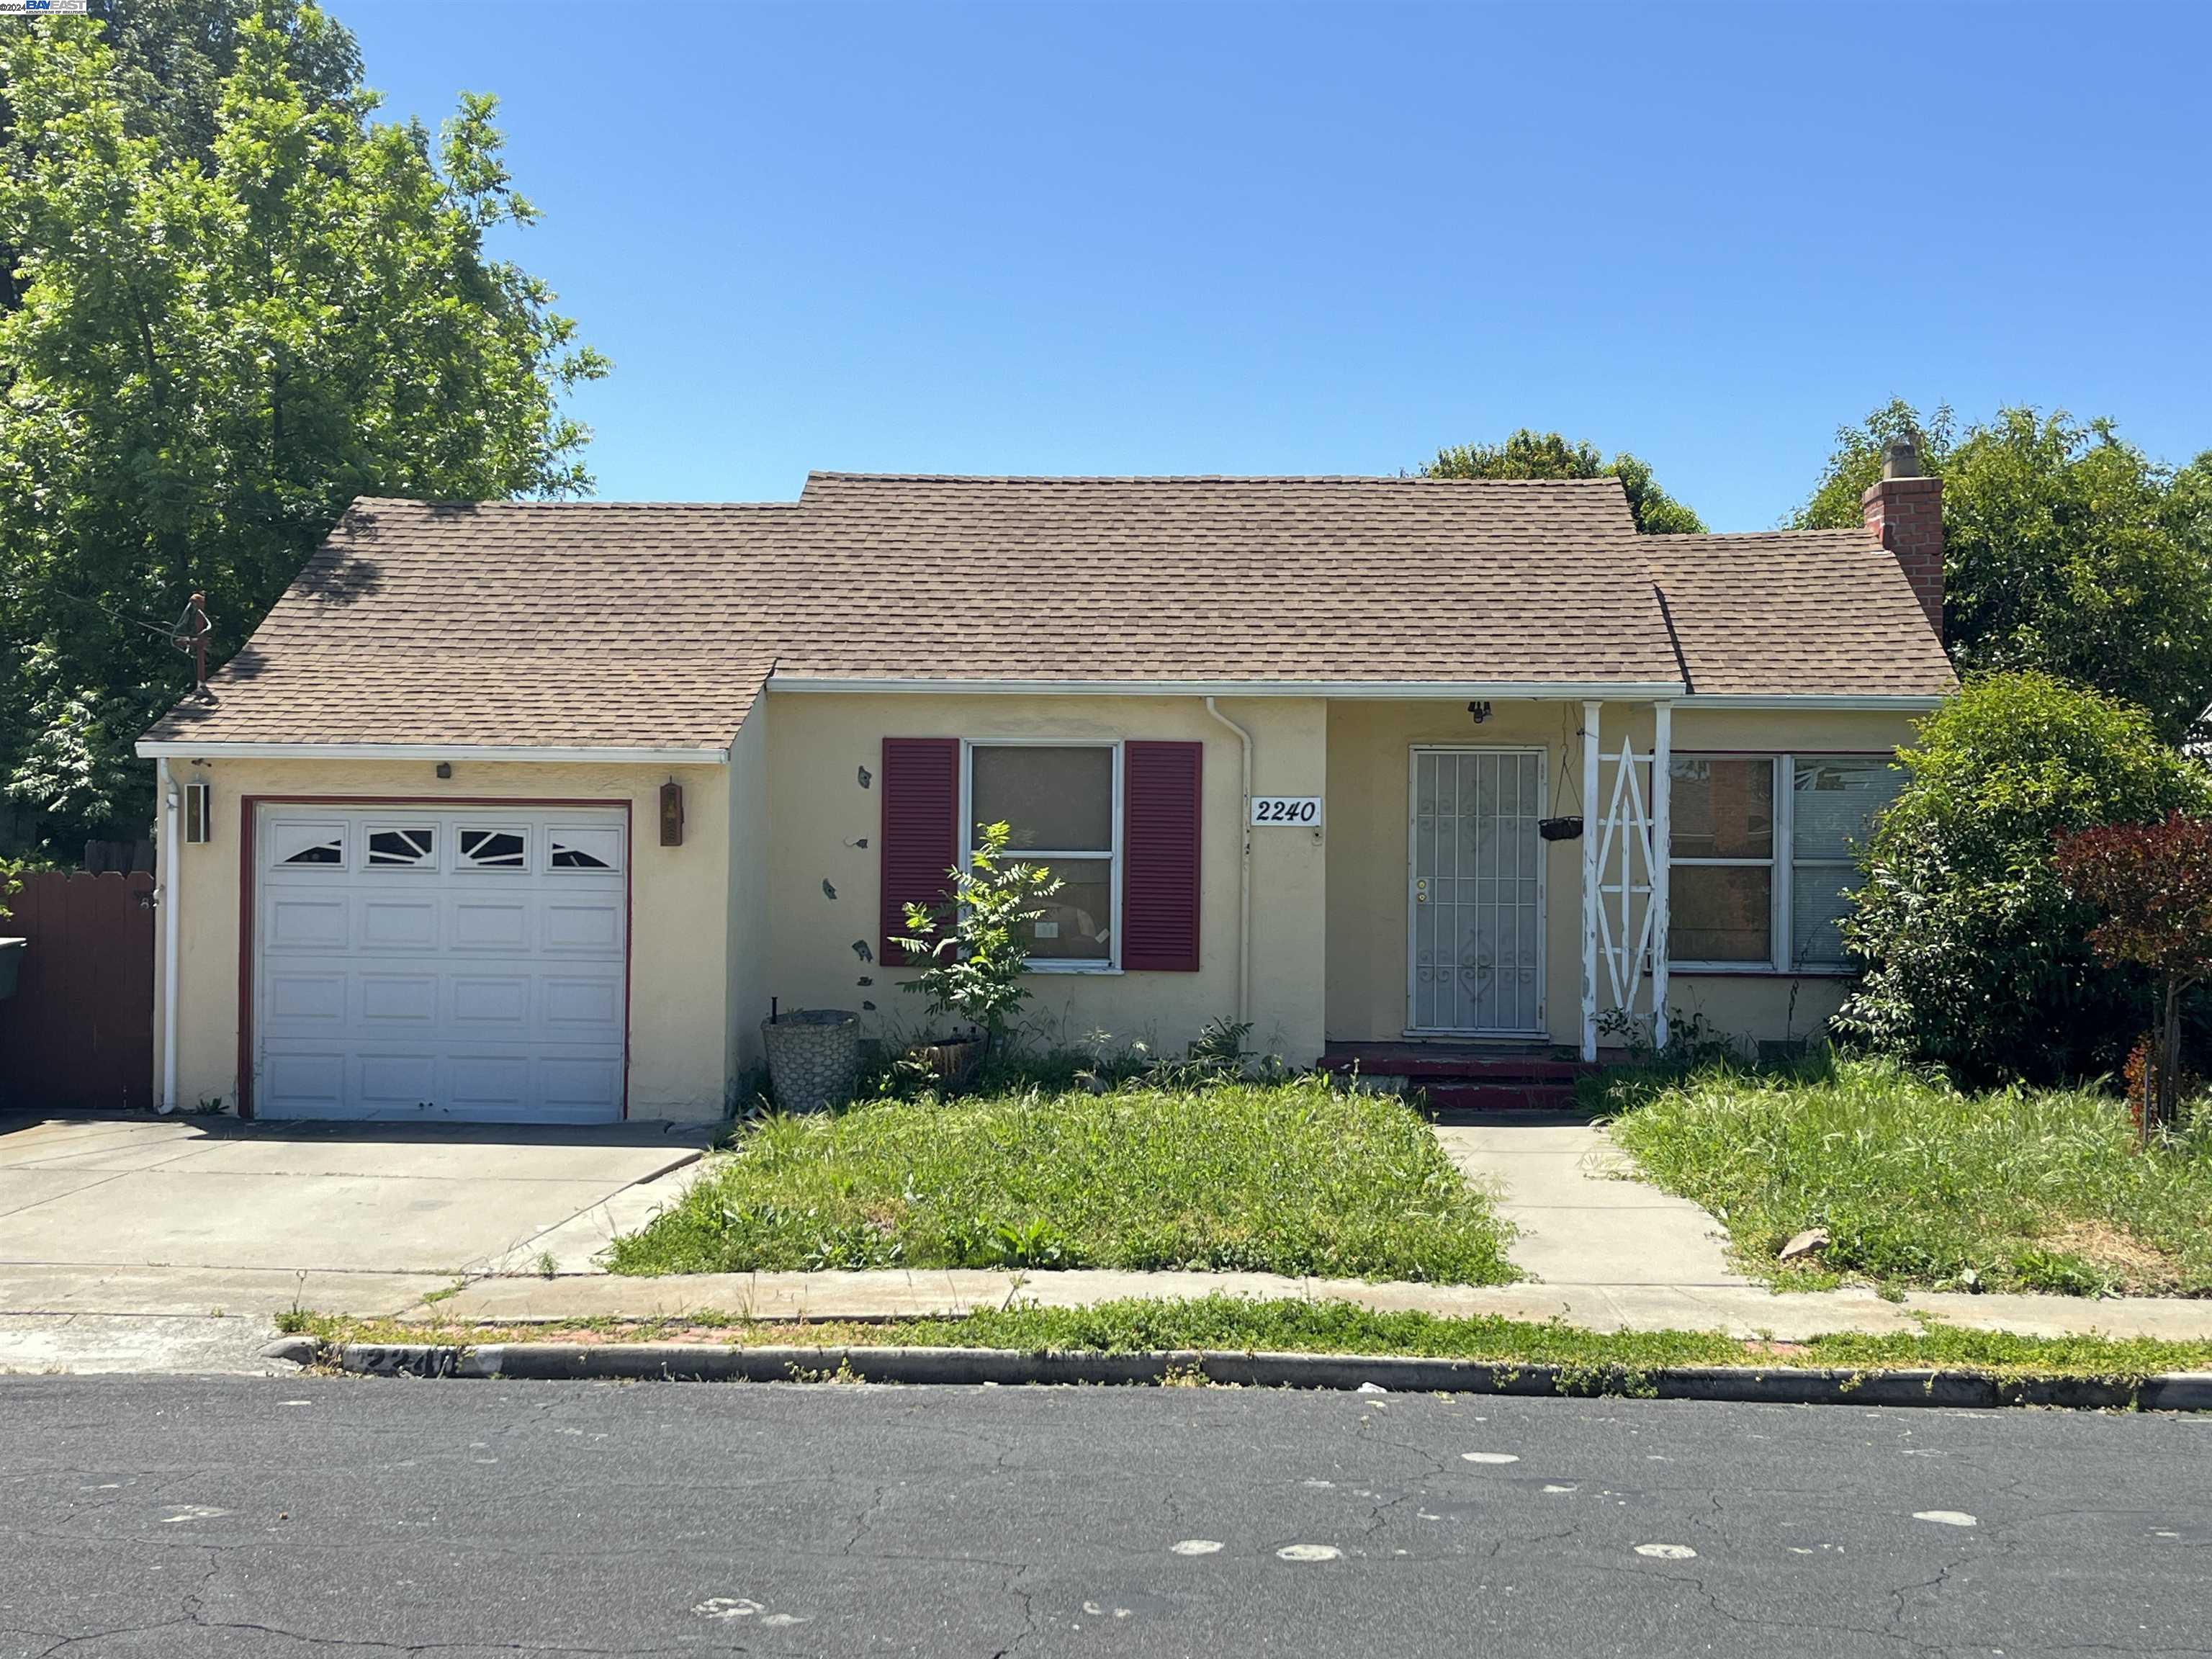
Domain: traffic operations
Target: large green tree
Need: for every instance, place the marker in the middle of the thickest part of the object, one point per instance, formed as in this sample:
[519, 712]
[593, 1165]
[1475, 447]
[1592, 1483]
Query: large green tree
[2066, 549]
[1529, 454]
[217, 342]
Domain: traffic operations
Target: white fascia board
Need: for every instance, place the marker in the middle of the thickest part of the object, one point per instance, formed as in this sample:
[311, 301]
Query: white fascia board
[1554, 690]
[149, 750]
[1897, 704]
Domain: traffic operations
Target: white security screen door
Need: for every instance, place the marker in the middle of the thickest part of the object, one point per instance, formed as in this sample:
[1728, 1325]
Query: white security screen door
[418, 964]
[1476, 955]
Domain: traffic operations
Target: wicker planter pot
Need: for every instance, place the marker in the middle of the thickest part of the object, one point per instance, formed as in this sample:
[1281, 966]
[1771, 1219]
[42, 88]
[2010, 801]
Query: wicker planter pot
[813, 1058]
[11, 964]
[956, 1060]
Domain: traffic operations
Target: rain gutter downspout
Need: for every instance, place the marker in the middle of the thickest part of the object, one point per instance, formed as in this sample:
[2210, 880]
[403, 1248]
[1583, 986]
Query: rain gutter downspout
[171, 838]
[1243, 874]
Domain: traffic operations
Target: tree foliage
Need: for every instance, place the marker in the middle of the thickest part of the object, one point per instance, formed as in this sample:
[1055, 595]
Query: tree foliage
[2151, 884]
[973, 948]
[224, 331]
[1529, 454]
[2066, 549]
[1977, 955]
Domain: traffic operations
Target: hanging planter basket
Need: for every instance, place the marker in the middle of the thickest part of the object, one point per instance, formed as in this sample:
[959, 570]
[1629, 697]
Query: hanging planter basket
[1559, 829]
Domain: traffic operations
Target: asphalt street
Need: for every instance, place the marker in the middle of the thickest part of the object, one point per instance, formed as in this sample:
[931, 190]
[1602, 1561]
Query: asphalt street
[246, 1518]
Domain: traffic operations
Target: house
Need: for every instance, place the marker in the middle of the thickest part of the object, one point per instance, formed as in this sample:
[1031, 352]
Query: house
[526, 812]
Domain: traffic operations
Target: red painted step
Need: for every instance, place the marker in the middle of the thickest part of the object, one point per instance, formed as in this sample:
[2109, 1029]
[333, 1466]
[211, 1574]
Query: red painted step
[1500, 1097]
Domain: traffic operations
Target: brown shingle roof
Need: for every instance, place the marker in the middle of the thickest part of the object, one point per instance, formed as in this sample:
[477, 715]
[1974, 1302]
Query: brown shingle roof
[570, 626]
[640, 625]
[1797, 613]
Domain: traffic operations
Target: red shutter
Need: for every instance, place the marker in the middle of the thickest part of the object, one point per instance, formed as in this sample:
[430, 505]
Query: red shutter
[920, 840]
[1159, 855]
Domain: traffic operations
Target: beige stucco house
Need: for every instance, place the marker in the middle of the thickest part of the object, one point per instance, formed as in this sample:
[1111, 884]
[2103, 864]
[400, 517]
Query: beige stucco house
[526, 811]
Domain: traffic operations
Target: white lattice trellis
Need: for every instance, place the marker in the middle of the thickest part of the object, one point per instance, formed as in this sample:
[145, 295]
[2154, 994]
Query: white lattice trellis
[1624, 876]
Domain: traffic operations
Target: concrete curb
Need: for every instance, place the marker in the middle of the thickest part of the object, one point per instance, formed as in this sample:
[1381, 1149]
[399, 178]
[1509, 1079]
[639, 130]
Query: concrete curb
[692, 1362]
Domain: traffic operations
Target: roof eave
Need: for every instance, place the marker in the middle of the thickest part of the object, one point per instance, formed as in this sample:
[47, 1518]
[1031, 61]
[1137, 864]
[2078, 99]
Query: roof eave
[1556, 691]
[544, 754]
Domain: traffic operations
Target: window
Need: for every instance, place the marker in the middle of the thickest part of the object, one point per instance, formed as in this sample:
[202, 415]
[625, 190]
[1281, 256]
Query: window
[493, 849]
[1062, 802]
[322, 852]
[1832, 800]
[1761, 856]
[402, 850]
[583, 849]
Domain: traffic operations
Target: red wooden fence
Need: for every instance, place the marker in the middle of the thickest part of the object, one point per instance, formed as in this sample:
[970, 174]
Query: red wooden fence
[79, 1032]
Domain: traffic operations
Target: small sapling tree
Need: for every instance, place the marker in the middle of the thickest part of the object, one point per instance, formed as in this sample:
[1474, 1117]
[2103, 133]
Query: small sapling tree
[2152, 882]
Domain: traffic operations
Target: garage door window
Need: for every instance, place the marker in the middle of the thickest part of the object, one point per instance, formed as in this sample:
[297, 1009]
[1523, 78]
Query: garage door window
[414, 848]
[312, 847]
[494, 849]
[584, 850]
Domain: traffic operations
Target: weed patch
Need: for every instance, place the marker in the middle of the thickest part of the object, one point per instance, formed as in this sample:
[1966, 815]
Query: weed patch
[1296, 1178]
[1920, 1184]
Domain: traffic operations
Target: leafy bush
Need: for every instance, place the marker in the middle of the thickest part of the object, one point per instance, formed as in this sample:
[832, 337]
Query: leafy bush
[11, 883]
[972, 944]
[1290, 1178]
[1977, 955]
[1919, 1183]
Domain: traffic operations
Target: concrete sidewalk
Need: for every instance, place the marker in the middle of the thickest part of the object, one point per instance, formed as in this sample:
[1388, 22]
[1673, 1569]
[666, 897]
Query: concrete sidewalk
[1747, 1310]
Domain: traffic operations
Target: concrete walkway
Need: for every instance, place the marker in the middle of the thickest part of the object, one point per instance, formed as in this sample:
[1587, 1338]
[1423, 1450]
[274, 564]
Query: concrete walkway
[1582, 1219]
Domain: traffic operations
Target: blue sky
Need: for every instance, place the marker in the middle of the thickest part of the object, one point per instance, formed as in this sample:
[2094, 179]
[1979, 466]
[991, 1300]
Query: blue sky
[1248, 238]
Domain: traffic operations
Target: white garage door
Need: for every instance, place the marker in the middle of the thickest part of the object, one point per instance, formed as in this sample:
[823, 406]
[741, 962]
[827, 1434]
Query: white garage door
[417, 964]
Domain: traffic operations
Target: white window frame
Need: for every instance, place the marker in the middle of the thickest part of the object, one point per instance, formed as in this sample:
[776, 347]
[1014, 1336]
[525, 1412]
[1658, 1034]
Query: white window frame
[1782, 862]
[1112, 964]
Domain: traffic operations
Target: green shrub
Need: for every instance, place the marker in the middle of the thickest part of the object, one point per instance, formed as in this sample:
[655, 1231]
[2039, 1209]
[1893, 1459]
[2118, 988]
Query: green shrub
[1975, 954]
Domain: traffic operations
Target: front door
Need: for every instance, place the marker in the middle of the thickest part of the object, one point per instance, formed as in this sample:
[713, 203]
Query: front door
[1476, 958]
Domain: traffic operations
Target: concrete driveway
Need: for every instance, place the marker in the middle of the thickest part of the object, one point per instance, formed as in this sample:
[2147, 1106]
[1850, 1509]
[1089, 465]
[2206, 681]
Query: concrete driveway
[170, 1215]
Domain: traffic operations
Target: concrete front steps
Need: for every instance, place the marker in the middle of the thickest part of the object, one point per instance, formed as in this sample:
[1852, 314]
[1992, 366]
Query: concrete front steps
[1458, 1078]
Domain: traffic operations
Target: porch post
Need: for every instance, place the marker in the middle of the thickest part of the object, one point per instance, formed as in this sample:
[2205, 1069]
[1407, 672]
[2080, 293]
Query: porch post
[1593, 813]
[1662, 791]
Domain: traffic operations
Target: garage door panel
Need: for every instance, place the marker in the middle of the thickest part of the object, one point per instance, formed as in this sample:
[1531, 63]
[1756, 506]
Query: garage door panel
[396, 1081]
[302, 1002]
[580, 1084]
[392, 923]
[303, 1080]
[473, 968]
[589, 926]
[488, 1082]
[302, 922]
[500, 1001]
[575, 1004]
[491, 924]
[402, 999]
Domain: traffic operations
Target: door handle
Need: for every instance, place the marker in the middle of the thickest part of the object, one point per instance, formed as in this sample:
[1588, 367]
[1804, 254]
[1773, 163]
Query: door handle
[1421, 891]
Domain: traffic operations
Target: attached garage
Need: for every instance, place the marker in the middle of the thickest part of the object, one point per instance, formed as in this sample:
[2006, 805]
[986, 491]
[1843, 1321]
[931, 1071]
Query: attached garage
[417, 962]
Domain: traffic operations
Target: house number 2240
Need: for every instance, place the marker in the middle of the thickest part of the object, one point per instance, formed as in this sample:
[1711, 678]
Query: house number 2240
[1304, 811]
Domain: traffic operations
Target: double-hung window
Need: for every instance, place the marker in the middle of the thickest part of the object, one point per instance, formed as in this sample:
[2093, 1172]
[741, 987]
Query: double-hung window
[1762, 859]
[1063, 804]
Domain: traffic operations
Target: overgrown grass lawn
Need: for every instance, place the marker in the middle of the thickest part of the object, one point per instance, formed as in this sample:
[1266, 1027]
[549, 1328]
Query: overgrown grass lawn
[1919, 1185]
[1290, 1178]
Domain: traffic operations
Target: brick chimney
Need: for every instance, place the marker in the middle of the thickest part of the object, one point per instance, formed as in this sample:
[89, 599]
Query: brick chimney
[1904, 512]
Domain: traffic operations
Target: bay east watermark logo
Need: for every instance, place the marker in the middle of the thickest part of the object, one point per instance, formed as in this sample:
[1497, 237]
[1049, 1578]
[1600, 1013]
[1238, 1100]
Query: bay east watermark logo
[43, 8]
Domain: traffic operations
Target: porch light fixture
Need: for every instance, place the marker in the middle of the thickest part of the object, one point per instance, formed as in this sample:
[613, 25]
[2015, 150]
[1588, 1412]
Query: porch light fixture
[199, 818]
[1480, 710]
[672, 814]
